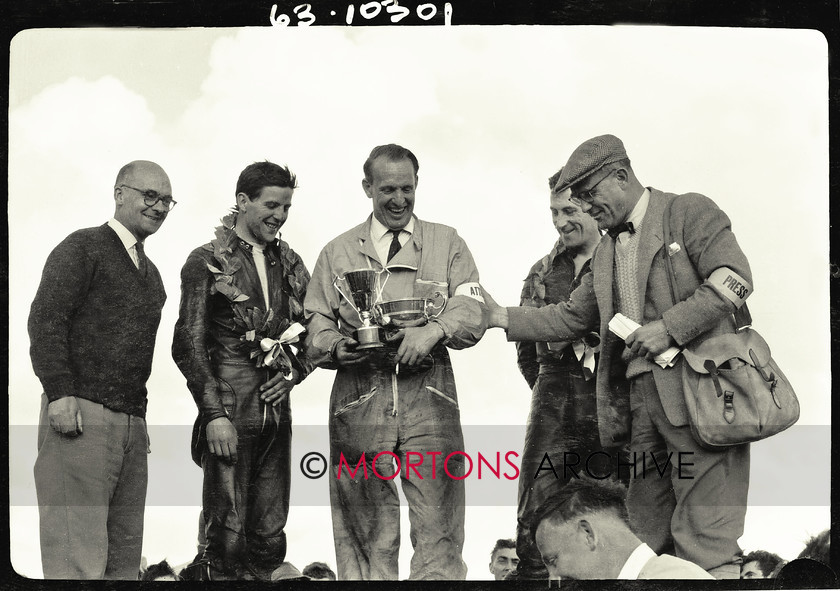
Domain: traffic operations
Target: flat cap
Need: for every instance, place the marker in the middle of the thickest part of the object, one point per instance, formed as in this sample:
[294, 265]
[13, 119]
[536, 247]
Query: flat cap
[589, 157]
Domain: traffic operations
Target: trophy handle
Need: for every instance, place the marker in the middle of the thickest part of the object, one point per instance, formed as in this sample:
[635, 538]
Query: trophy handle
[434, 310]
[344, 295]
[376, 313]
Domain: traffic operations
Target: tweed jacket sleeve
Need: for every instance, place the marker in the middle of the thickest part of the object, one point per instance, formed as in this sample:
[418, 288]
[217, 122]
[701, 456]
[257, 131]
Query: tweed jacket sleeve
[565, 321]
[707, 243]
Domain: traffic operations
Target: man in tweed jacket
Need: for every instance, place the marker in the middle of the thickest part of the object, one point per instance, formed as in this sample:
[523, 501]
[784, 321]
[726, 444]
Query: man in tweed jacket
[696, 512]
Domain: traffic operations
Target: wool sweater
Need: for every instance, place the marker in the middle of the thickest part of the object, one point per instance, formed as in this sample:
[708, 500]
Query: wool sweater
[93, 323]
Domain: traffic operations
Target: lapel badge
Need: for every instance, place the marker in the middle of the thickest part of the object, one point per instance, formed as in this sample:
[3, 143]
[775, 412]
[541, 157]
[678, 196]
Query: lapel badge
[673, 249]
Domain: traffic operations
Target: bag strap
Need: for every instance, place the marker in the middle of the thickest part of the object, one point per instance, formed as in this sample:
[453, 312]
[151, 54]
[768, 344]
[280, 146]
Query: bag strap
[742, 315]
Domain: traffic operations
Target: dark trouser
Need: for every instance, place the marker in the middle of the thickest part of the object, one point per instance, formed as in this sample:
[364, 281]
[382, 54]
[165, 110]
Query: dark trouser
[91, 495]
[563, 423]
[696, 508]
[245, 505]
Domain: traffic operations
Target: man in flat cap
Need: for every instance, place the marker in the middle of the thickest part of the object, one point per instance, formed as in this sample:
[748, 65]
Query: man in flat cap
[696, 512]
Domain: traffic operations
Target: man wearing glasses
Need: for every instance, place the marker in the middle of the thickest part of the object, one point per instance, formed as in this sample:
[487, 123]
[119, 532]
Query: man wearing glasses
[696, 512]
[92, 330]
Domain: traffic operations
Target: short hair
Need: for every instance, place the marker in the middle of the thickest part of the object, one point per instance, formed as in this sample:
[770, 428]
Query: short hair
[260, 175]
[767, 561]
[818, 548]
[161, 569]
[502, 545]
[124, 173]
[552, 180]
[318, 570]
[392, 152]
[580, 497]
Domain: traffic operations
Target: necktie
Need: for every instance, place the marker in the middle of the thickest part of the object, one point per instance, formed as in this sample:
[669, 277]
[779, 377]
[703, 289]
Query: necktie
[624, 227]
[395, 244]
[142, 264]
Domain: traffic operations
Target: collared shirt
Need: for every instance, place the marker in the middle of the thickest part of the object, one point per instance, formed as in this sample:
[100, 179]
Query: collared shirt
[382, 237]
[258, 252]
[636, 561]
[127, 238]
[636, 216]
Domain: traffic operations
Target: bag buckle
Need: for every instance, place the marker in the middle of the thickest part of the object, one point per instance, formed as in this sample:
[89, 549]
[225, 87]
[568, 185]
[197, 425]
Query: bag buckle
[728, 406]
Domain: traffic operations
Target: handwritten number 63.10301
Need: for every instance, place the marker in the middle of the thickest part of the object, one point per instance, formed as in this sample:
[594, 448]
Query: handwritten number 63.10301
[368, 11]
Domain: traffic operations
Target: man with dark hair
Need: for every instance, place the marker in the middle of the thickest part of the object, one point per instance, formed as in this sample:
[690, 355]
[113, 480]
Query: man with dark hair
[697, 511]
[161, 571]
[759, 564]
[241, 309]
[398, 402]
[503, 559]
[92, 330]
[563, 421]
[583, 532]
[818, 547]
[319, 571]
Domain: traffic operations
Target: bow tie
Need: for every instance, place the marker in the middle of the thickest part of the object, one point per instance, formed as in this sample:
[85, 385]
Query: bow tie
[624, 227]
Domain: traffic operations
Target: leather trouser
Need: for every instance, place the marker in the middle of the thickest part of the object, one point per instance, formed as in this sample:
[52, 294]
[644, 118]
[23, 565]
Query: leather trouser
[246, 504]
[563, 423]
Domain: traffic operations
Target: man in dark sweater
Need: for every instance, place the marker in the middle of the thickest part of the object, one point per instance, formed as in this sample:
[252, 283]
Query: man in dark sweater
[92, 330]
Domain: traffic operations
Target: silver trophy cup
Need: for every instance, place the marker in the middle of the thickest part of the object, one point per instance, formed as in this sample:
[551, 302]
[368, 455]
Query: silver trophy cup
[363, 285]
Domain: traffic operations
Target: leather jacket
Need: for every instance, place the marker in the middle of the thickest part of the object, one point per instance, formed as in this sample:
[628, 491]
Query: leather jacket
[207, 332]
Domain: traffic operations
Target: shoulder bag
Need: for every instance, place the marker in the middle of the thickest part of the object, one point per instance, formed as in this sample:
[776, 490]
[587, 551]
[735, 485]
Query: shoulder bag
[734, 390]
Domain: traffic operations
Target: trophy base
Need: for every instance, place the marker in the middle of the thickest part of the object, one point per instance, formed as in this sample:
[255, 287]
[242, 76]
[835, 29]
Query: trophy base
[369, 337]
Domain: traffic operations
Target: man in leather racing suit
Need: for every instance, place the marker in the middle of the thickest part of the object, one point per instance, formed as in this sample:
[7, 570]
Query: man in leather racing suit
[241, 296]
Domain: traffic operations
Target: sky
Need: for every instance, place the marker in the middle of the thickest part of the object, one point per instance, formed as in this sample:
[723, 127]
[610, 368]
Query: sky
[740, 115]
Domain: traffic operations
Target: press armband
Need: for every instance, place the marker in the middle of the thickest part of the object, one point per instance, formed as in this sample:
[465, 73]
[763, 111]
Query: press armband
[730, 285]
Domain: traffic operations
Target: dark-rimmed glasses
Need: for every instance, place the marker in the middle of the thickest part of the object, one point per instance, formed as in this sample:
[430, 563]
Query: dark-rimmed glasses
[586, 196]
[150, 198]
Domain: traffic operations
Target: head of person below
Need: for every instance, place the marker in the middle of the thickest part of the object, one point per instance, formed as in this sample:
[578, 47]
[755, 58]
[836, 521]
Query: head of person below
[583, 532]
[503, 559]
[759, 564]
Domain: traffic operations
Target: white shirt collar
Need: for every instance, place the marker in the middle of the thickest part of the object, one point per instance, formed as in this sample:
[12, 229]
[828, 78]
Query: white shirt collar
[378, 229]
[636, 561]
[637, 215]
[125, 235]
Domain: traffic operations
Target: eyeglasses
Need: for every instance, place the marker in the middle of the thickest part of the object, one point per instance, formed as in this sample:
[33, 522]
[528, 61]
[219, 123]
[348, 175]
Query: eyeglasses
[150, 198]
[587, 196]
